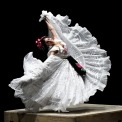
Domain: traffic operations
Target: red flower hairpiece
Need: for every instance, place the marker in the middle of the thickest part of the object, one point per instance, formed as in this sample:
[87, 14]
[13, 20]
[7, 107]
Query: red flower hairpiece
[38, 42]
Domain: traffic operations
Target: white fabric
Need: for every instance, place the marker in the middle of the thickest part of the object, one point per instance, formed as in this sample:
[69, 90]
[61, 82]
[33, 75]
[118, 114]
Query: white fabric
[54, 83]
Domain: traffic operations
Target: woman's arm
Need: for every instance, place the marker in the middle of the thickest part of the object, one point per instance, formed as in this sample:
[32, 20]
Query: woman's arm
[51, 28]
[53, 52]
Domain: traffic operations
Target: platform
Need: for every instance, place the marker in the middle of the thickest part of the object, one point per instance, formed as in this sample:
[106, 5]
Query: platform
[83, 113]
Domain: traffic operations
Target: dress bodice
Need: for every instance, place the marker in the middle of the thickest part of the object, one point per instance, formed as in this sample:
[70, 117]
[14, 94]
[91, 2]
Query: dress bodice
[61, 51]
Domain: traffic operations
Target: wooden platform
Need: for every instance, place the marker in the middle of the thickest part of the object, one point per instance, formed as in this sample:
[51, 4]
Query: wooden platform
[83, 113]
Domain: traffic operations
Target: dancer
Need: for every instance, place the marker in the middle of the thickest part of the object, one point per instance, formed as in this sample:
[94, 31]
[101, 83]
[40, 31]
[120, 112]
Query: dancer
[57, 83]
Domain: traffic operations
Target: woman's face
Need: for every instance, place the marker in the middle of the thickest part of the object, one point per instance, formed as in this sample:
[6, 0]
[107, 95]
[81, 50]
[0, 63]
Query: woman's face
[49, 41]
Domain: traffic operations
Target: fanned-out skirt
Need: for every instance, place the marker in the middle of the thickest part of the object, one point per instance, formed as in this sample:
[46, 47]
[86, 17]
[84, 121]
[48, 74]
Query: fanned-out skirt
[53, 84]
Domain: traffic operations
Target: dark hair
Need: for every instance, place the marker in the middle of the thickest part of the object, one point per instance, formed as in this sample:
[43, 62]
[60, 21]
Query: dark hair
[44, 46]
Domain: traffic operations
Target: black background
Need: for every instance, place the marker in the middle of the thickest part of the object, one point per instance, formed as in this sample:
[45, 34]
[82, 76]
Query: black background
[20, 27]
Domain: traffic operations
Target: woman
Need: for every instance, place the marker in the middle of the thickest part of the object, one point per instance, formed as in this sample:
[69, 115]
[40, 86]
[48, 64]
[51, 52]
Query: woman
[55, 83]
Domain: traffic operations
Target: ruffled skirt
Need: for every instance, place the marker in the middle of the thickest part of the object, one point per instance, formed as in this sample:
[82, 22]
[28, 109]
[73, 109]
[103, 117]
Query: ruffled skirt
[53, 84]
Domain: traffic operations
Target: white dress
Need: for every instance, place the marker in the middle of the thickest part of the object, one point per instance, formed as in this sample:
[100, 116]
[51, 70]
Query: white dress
[54, 83]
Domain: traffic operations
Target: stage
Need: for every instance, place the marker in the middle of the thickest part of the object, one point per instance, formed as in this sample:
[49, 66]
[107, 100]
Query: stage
[83, 113]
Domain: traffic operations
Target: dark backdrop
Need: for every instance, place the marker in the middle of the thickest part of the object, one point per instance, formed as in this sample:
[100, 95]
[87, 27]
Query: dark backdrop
[20, 27]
